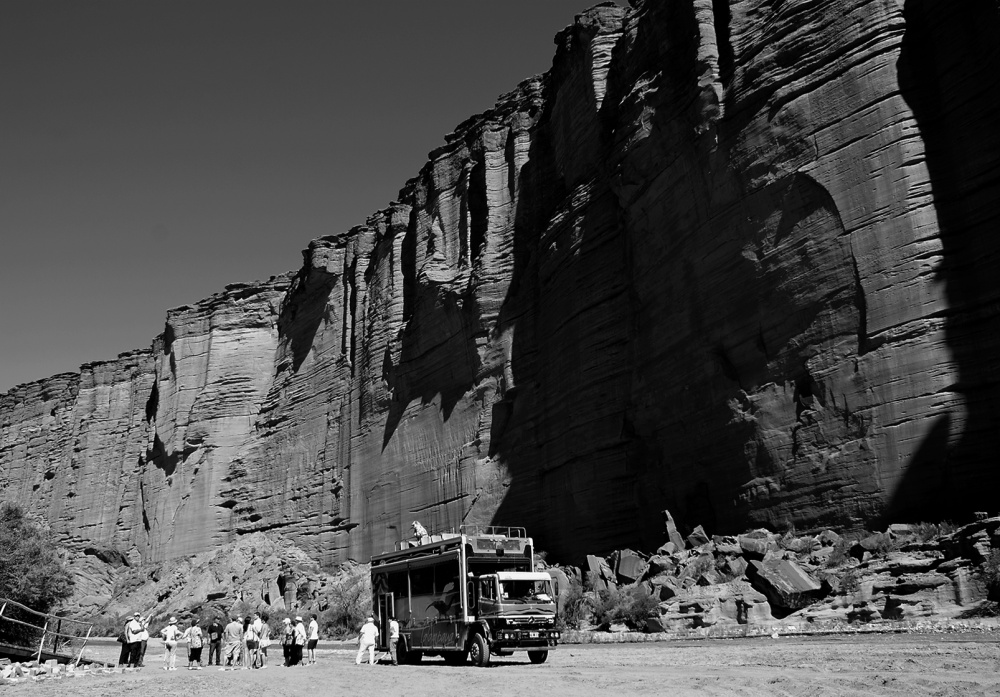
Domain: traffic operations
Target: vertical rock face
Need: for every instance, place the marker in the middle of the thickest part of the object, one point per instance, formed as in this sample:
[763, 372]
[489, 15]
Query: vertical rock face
[734, 259]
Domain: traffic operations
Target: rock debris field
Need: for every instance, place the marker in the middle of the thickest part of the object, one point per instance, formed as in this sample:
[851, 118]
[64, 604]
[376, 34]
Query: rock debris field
[904, 664]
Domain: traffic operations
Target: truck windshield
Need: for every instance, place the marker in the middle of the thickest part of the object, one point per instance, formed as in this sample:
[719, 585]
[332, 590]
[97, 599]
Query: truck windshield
[526, 591]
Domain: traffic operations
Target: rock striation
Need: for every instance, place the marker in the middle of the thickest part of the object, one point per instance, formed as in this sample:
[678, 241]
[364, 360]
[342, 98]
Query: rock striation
[734, 259]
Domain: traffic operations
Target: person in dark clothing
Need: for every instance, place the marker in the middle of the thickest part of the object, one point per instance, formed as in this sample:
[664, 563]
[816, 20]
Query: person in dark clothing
[126, 649]
[215, 642]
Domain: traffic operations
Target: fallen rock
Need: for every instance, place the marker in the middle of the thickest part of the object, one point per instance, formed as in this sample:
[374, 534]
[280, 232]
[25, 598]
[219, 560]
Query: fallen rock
[697, 538]
[631, 566]
[786, 584]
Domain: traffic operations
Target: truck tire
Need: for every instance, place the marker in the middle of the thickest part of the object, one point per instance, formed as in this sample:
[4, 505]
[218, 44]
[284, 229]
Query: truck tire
[537, 657]
[479, 651]
[408, 657]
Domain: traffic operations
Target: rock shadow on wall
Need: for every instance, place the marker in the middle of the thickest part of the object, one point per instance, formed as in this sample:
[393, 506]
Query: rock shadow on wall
[949, 75]
[438, 354]
[306, 307]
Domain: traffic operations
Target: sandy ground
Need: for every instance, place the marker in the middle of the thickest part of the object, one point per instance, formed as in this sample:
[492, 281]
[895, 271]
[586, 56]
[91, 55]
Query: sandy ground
[909, 664]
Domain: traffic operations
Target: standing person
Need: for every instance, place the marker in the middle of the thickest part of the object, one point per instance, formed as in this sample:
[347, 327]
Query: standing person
[252, 639]
[232, 636]
[123, 657]
[215, 641]
[287, 640]
[300, 641]
[171, 635]
[366, 641]
[194, 636]
[144, 640]
[133, 632]
[264, 634]
[244, 651]
[393, 639]
[313, 639]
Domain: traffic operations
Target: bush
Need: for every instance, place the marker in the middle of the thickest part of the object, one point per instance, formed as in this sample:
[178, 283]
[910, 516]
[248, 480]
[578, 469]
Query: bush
[841, 553]
[31, 571]
[575, 608]
[350, 602]
[631, 605]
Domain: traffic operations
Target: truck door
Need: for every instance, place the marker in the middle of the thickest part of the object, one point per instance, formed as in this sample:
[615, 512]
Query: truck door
[385, 610]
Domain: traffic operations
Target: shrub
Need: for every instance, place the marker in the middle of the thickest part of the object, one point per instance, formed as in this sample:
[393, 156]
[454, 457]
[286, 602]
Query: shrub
[849, 583]
[575, 608]
[631, 605]
[31, 571]
[350, 602]
[840, 555]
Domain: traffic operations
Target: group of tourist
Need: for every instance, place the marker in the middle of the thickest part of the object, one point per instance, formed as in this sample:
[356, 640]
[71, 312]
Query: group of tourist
[243, 643]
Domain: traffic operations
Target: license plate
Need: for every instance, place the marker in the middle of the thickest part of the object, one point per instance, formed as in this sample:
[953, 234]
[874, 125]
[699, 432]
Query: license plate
[533, 635]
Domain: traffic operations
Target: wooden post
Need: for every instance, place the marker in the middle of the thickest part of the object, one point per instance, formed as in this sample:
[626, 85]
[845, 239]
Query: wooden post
[85, 640]
[42, 642]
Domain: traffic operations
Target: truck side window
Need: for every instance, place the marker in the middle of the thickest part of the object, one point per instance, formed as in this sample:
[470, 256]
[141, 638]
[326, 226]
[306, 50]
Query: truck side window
[486, 589]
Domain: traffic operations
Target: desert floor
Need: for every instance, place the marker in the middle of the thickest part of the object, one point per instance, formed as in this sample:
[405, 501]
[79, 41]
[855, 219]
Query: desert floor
[896, 664]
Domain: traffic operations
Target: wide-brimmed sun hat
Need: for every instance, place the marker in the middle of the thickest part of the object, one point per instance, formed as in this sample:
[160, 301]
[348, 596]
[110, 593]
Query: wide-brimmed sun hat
[173, 620]
[135, 614]
[286, 621]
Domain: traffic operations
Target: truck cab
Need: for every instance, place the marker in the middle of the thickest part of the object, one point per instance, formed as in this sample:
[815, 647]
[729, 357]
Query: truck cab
[519, 610]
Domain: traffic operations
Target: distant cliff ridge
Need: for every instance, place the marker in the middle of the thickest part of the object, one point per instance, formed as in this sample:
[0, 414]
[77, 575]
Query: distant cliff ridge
[738, 260]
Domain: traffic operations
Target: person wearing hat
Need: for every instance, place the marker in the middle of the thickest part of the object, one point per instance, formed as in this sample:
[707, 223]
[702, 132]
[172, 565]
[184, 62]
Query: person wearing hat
[133, 636]
[300, 641]
[366, 641]
[287, 640]
[171, 635]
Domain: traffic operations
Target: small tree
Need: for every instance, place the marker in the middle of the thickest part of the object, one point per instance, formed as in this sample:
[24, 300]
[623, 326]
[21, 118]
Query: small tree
[31, 571]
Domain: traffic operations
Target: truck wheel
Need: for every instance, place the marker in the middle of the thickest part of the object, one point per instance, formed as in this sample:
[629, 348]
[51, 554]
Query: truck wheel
[407, 657]
[537, 657]
[479, 651]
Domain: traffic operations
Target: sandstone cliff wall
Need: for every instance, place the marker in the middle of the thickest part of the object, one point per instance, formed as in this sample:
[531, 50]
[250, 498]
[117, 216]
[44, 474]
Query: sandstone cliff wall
[735, 259]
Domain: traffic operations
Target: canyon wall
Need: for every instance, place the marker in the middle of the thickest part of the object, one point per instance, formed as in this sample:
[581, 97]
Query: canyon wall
[737, 260]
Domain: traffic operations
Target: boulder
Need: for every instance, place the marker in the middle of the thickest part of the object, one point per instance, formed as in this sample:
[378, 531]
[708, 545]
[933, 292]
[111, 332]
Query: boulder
[757, 544]
[828, 538]
[631, 566]
[786, 584]
[697, 538]
[600, 573]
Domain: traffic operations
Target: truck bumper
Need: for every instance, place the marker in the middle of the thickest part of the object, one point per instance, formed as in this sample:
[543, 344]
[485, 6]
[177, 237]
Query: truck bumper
[526, 638]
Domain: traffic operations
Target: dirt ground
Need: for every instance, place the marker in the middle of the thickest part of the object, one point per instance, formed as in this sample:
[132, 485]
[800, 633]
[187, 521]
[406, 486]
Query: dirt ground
[907, 664]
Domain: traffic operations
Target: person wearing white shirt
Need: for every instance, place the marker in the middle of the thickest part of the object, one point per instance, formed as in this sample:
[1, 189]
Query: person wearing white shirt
[393, 640]
[366, 641]
[171, 635]
[313, 639]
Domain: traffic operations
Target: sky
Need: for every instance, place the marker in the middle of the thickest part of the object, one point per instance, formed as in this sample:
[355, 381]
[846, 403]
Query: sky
[153, 152]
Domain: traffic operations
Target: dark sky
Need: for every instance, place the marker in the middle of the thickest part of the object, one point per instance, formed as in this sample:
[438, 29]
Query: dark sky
[152, 152]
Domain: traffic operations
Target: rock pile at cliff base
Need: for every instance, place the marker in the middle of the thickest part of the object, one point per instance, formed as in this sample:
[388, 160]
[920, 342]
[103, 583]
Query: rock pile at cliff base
[819, 581]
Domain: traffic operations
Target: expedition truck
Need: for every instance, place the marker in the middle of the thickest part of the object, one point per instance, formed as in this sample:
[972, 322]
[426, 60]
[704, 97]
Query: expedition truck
[465, 595]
